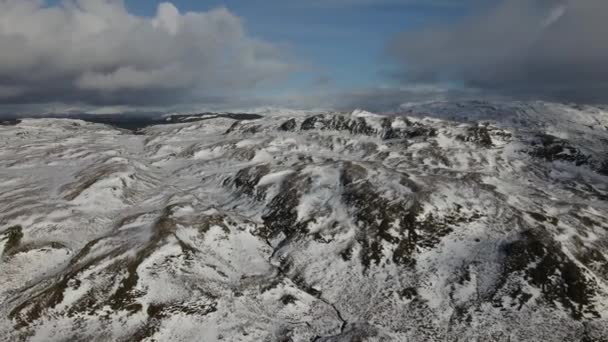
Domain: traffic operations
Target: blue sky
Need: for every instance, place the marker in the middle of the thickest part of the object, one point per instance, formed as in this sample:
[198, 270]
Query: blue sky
[341, 43]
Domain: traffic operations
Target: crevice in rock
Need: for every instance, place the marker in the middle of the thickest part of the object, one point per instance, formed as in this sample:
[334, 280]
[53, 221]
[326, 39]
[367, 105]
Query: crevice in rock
[316, 294]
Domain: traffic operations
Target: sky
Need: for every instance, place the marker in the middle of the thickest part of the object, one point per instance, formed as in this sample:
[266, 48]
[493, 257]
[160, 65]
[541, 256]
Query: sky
[339, 42]
[120, 55]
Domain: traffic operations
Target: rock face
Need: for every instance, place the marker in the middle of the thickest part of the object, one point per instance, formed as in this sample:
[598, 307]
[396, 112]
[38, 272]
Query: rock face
[445, 222]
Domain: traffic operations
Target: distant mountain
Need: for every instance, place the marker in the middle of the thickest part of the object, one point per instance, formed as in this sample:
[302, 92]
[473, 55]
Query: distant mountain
[137, 121]
[470, 221]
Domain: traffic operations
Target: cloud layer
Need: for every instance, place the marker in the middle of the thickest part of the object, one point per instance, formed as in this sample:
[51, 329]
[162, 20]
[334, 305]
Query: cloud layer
[96, 52]
[548, 49]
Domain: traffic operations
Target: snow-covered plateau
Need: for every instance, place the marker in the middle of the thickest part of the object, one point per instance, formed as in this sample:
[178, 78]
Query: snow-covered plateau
[467, 221]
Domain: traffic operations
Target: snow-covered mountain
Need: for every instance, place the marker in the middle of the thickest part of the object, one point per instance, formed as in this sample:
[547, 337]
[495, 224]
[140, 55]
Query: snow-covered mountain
[442, 222]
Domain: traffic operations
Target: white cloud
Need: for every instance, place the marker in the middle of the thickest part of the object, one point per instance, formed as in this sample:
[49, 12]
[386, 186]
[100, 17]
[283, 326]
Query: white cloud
[95, 51]
[167, 18]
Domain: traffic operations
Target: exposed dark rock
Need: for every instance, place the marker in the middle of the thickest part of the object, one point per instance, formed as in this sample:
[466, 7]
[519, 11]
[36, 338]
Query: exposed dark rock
[479, 135]
[13, 236]
[552, 148]
[282, 210]
[338, 123]
[232, 127]
[248, 178]
[9, 122]
[408, 293]
[546, 267]
[309, 123]
[288, 299]
[603, 168]
[383, 221]
[288, 126]
[542, 218]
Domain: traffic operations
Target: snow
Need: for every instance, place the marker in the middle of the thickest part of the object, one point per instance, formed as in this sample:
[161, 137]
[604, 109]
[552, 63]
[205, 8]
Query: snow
[208, 154]
[165, 208]
[274, 177]
[359, 113]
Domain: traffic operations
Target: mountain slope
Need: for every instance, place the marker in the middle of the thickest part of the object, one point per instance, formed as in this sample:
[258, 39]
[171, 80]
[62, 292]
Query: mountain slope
[443, 222]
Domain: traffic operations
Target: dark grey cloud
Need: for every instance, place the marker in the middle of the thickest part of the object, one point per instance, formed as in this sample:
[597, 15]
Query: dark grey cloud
[96, 52]
[379, 99]
[548, 49]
